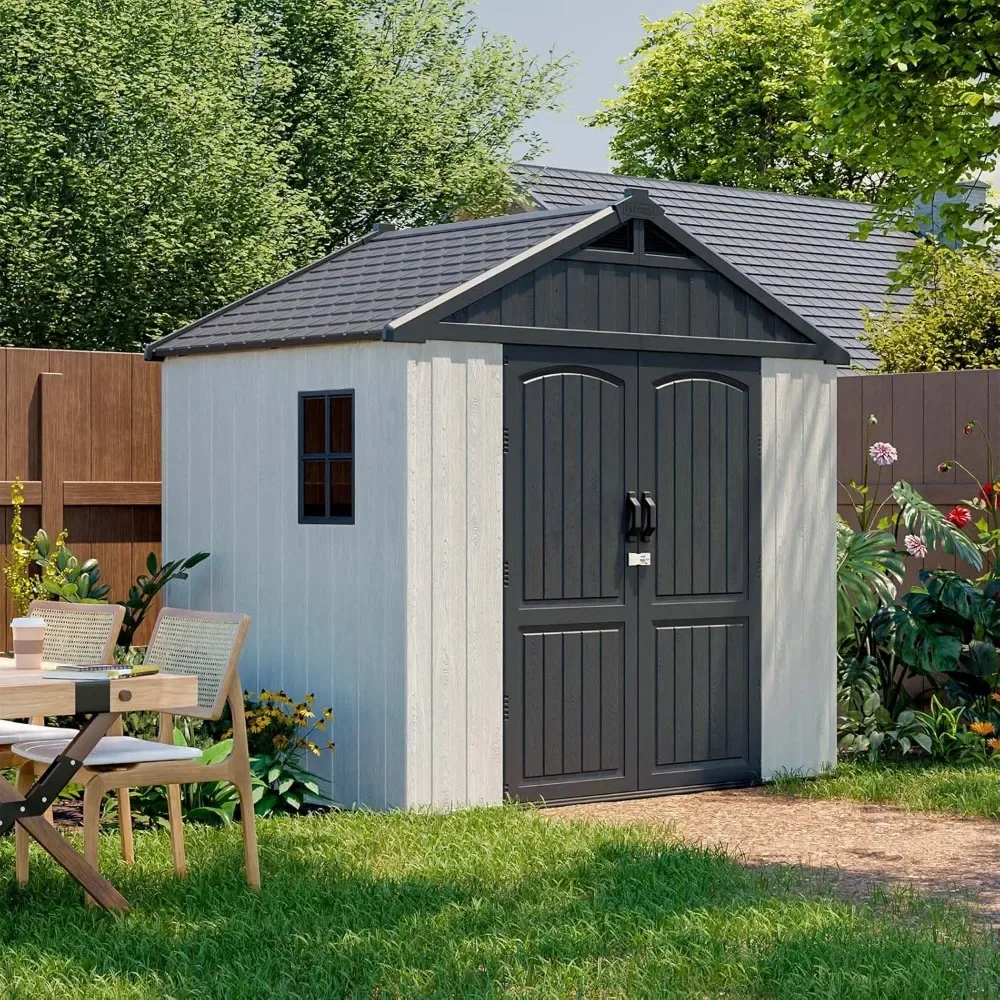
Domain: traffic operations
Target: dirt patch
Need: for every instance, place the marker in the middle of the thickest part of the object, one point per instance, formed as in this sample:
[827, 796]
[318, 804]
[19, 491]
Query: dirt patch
[852, 846]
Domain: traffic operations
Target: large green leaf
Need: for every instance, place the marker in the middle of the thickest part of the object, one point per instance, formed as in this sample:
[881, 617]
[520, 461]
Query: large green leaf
[922, 646]
[922, 518]
[868, 570]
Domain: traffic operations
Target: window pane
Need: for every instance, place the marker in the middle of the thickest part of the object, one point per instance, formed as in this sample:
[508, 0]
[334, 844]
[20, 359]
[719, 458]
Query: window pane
[313, 489]
[313, 439]
[340, 424]
[342, 488]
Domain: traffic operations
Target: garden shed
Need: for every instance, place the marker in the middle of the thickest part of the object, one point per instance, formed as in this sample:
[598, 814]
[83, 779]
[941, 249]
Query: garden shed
[542, 505]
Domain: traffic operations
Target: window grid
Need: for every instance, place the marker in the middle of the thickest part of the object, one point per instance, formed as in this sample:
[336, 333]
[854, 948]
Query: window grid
[327, 458]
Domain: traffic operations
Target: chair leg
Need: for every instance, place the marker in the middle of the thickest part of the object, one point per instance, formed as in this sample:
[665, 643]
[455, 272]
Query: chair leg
[176, 817]
[93, 794]
[125, 825]
[25, 779]
[249, 821]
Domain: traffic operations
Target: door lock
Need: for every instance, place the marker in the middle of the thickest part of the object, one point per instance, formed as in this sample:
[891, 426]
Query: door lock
[639, 559]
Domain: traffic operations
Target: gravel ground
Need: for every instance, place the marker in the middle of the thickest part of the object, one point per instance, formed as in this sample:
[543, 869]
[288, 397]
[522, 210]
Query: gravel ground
[851, 846]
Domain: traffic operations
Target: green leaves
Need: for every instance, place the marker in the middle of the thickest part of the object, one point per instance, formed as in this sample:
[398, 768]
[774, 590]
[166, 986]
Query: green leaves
[914, 86]
[143, 592]
[160, 160]
[868, 570]
[922, 518]
[726, 96]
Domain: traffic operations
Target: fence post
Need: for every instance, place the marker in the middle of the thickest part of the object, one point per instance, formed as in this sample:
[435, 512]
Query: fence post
[54, 440]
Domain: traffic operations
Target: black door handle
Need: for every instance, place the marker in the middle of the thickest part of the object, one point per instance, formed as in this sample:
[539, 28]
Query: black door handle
[633, 515]
[648, 516]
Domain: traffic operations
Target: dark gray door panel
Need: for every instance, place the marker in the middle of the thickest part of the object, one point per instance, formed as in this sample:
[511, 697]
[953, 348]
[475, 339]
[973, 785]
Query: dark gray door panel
[698, 693]
[570, 602]
[624, 678]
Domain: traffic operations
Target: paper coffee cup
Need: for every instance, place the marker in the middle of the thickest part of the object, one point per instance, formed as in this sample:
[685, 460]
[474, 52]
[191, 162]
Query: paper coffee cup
[29, 641]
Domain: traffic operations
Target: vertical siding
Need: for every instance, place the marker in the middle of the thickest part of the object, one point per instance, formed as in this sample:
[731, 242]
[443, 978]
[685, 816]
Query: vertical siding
[327, 601]
[798, 664]
[454, 746]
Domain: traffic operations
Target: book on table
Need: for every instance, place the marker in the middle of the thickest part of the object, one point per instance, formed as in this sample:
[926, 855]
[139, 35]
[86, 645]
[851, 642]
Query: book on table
[97, 671]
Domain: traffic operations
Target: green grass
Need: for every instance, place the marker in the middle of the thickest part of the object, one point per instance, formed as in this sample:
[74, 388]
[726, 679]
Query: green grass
[481, 904]
[965, 790]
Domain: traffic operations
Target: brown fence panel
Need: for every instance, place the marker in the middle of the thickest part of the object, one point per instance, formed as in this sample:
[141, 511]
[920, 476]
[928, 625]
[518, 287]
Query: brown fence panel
[923, 416]
[82, 430]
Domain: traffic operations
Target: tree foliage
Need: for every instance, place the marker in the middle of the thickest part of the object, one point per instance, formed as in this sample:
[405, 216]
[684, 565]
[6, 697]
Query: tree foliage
[401, 111]
[952, 321]
[161, 159]
[915, 85]
[726, 96]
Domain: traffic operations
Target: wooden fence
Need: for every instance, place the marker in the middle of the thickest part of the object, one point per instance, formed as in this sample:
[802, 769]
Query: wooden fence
[924, 417]
[82, 430]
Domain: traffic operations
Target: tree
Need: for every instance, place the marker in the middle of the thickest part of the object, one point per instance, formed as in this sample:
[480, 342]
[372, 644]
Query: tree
[159, 159]
[952, 321]
[400, 110]
[139, 185]
[725, 96]
[916, 86]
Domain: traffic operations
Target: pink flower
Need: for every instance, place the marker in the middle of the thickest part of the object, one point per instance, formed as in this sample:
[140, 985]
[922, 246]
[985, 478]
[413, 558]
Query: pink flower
[882, 453]
[959, 516]
[914, 544]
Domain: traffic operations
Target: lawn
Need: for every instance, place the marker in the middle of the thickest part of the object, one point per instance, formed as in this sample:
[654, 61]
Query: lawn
[965, 790]
[483, 903]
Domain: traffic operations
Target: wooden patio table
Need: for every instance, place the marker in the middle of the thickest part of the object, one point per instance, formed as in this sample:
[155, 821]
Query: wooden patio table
[25, 694]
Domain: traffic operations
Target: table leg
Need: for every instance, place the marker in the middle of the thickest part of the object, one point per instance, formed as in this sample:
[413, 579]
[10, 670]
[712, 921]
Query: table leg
[29, 811]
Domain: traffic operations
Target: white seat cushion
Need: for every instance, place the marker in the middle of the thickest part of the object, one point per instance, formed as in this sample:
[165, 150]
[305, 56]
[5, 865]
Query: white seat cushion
[112, 751]
[19, 732]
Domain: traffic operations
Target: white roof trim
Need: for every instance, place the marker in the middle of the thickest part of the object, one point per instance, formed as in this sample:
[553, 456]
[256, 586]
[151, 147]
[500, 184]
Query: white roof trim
[500, 269]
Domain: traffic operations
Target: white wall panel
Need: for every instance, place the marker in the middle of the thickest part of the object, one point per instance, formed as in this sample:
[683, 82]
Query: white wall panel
[396, 620]
[799, 634]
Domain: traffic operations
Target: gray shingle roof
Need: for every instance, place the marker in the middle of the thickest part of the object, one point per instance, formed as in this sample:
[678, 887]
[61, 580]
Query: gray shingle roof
[356, 291]
[797, 248]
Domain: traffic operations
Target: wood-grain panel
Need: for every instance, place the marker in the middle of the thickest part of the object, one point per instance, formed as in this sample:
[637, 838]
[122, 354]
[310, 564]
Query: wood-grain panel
[626, 298]
[701, 486]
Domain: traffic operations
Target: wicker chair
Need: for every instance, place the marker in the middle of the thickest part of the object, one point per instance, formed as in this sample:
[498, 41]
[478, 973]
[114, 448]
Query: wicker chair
[74, 633]
[184, 642]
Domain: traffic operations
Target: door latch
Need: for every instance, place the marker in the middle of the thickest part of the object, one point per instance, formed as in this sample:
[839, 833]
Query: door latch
[638, 559]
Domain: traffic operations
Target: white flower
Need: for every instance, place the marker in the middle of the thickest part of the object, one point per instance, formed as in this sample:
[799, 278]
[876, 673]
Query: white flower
[914, 544]
[883, 453]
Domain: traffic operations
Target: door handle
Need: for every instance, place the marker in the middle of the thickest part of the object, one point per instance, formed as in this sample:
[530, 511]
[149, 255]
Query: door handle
[634, 509]
[648, 516]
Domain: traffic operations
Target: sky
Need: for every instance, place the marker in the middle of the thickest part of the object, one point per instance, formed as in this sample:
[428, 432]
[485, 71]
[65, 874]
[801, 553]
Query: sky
[597, 33]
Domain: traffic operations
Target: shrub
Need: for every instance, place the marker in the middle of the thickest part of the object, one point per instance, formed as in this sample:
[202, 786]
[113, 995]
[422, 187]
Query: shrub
[952, 322]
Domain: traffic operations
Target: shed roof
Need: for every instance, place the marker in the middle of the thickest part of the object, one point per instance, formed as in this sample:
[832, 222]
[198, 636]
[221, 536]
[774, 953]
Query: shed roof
[798, 248]
[355, 291]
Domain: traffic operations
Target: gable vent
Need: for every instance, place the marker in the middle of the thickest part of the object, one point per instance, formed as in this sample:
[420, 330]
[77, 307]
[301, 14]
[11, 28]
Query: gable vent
[618, 239]
[657, 242]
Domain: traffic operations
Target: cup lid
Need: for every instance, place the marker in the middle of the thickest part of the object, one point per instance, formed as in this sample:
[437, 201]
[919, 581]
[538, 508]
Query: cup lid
[28, 623]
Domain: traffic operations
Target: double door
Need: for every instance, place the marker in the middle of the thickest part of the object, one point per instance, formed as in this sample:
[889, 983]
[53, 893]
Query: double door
[631, 611]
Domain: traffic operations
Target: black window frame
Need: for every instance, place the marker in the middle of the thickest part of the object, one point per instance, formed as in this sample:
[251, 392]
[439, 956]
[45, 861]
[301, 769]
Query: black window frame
[326, 457]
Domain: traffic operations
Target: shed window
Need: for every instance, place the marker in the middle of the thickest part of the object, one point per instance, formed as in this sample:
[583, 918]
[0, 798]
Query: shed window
[326, 457]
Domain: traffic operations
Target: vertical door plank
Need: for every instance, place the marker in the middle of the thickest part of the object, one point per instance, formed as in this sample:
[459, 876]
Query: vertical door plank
[665, 539]
[683, 472]
[572, 720]
[718, 487]
[612, 488]
[700, 682]
[534, 484]
[683, 694]
[701, 526]
[665, 697]
[590, 669]
[572, 485]
[534, 702]
[590, 512]
[552, 457]
[719, 668]
[612, 677]
[553, 695]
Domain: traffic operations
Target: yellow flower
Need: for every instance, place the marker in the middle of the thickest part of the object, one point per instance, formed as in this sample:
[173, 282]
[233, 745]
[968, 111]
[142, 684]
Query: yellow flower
[982, 728]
